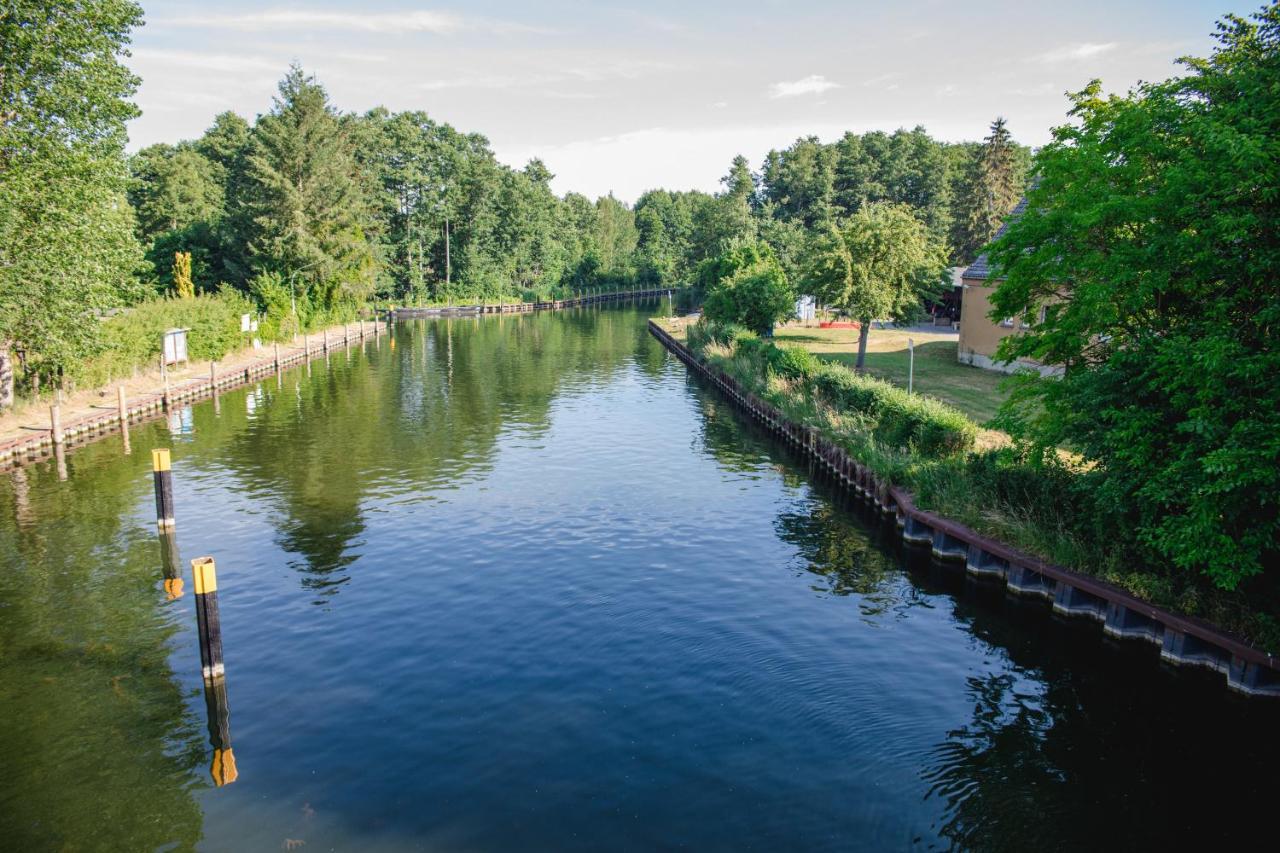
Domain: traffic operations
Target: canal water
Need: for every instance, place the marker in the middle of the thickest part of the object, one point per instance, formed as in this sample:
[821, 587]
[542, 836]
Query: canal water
[522, 583]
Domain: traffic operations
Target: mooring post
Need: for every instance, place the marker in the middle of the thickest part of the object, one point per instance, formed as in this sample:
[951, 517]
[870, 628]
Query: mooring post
[306, 346]
[163, 476]
[277, 356]
[205, 579]
[326, 339]
[55, 424]
[165, 399]
[346, 334]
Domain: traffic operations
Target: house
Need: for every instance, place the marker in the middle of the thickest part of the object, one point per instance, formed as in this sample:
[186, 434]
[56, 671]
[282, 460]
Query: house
[979, 334]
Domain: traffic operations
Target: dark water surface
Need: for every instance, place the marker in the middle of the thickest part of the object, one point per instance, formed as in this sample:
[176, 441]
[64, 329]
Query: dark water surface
[521, 583]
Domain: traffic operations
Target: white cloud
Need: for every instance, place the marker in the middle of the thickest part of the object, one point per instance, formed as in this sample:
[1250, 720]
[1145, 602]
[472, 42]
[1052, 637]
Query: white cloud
[814, 84]
[409, 21]
[1076, 52]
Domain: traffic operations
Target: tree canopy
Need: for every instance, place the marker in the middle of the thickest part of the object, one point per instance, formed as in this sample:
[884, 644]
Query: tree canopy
[746, 285]
[66, 235]
[1149, 262]
[880, 263]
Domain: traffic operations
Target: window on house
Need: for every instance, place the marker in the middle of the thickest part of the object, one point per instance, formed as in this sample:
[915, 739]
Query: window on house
[1007, 322]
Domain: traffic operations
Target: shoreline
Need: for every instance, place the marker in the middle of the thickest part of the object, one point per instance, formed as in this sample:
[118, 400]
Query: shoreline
[26, 436]
[1182, 641]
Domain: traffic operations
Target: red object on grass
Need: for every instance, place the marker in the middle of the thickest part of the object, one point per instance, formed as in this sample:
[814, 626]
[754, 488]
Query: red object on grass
[837, 324]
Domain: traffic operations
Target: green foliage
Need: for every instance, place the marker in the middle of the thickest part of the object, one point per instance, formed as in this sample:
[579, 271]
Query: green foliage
[995, 183]
[133, 338]
[893, 262]
[885, 413]
[1149, 243]
[305, 208]
[183, 286]
[746, 285]
[67, 249]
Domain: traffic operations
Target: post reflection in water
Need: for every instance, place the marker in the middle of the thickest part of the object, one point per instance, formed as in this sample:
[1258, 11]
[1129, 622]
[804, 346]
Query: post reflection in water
[170, 564]
[222, 769]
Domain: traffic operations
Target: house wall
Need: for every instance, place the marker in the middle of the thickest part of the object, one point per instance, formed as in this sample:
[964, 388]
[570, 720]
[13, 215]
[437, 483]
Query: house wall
[980, 335]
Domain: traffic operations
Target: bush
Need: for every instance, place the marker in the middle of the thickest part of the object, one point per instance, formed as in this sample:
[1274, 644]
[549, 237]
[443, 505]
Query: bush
[901, 419]
[133, 338]
[792, 362]
[707, 331]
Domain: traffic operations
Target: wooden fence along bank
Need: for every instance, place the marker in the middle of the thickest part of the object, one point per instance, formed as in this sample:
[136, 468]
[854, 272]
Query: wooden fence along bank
[61, 436]
[1182, 641]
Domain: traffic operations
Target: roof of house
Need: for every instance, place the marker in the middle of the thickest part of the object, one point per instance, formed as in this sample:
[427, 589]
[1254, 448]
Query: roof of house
[981, 268]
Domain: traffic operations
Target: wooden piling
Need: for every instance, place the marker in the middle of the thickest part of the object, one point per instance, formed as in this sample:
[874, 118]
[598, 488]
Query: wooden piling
[162, 475]
[122, 406]
[277, 356]
[326, 339]
[204, 576]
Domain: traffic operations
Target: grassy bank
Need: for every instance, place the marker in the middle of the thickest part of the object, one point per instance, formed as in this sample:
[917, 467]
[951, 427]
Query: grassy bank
[938, 374]
[130, 341]
[1043, 506]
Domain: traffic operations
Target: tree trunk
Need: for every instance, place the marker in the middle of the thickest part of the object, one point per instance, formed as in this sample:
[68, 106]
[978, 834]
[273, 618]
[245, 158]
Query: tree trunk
[864, 331]
[6, 376]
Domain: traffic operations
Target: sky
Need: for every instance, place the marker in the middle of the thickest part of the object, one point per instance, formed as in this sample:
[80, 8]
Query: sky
[623, 98]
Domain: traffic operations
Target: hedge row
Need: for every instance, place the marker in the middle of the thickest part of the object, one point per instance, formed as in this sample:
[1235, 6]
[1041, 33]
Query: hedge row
[133, 338]
[896, 418]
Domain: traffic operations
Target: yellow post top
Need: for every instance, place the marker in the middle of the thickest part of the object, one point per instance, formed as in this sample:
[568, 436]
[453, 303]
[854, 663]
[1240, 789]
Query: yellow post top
[205, 575]
[160, 459]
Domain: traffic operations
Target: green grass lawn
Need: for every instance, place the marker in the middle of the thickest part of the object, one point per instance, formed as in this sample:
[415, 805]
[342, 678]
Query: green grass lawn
[974, 391]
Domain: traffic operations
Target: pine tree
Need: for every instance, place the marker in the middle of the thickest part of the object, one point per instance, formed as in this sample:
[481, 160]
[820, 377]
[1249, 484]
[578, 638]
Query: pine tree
[306, 209]
[996, 184]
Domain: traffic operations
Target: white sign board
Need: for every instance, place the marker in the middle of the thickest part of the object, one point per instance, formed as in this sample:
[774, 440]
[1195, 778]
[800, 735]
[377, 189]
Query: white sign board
[244, 322]
[175, 346]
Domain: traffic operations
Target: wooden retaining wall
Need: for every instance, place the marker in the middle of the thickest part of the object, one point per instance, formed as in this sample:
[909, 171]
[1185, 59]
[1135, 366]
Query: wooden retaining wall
[1182, 641]
[529, 307]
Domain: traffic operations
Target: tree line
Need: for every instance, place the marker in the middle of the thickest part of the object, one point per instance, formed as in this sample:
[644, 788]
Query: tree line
[312, 212]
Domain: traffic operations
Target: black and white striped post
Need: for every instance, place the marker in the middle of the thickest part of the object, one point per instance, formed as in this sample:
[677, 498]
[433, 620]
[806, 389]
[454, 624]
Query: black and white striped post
[205, 580]
[162, 474]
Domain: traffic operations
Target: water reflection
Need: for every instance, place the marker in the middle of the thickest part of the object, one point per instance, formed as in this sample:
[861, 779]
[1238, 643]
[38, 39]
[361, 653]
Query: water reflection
[170, 564]
[90, 712]
[222, 768]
